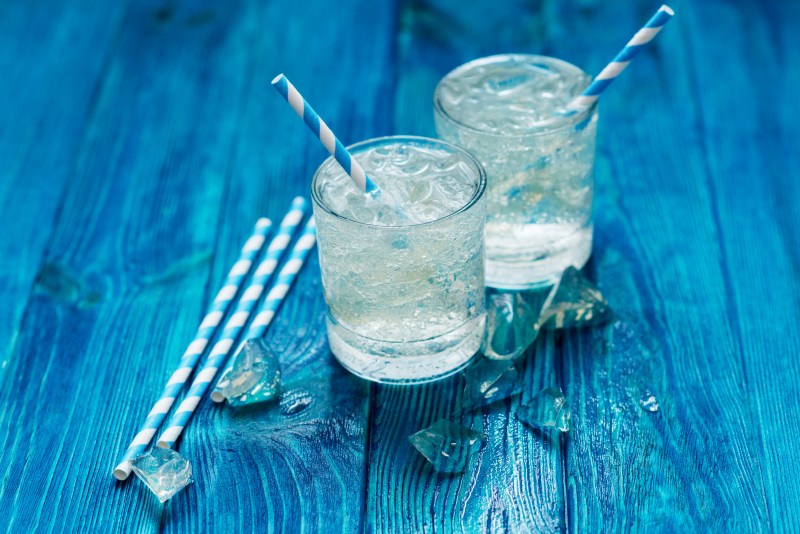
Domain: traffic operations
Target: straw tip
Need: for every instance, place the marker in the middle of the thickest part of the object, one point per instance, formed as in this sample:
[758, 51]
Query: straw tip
[278, 78]
[668, 10]
[121, 474]
[217, 397]
[298, 201]
[263, 222]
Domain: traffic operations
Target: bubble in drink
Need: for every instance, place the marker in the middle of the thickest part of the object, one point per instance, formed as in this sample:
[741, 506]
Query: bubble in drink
[403, 276]
[510, 112]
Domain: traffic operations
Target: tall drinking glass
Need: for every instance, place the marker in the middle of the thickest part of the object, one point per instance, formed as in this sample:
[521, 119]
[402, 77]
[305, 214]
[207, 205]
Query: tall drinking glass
[509, 112]
[403, 276]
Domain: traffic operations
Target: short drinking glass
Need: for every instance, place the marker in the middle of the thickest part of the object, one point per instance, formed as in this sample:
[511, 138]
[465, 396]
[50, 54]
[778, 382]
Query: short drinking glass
[509, 112]
[403, 276]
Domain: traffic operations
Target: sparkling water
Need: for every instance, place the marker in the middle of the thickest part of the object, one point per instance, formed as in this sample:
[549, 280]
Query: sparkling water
[403, 274]
[509, 112]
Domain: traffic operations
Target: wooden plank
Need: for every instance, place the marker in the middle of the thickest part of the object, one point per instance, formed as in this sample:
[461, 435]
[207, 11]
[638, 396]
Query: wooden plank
[273, 468]
[52, 58]
[749, 130]
[517, 481]
[696, 463]
[123, 283]
[176, 132]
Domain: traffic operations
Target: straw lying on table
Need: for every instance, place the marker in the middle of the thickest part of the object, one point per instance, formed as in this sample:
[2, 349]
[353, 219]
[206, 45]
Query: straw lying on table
[196, 348]
[275, 296]
[222, 348]
[325, 135]
[613, 69]
[275, 252]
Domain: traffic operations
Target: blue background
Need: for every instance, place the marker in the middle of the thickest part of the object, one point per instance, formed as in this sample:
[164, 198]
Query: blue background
[139, 141]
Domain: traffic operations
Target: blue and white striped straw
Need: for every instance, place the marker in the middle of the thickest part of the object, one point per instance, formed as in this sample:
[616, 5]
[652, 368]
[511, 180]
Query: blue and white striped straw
[208, 326]
[325, 135]
[613, 69]
[217, 357]
[276, 295]
[275, 252]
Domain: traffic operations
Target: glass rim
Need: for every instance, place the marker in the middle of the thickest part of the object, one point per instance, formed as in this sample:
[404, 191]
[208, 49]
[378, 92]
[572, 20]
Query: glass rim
[567, 122]
[476, 196]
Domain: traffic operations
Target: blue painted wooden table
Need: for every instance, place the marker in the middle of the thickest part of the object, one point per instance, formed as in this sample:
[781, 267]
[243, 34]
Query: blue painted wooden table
[139, 141]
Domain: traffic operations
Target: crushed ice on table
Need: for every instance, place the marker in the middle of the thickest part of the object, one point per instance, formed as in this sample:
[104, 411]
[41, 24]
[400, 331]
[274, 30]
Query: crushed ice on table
[448, 446]
[489, 381]
[649, 402]
[255, 376]
[501, 330]
[164, 471]
[501, 335]
[511, 326]
[574, 302]
[548, 408]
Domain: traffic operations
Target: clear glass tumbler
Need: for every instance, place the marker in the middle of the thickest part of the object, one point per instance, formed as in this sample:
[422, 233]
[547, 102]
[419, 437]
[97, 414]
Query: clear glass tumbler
[403, 277]
[509, 112]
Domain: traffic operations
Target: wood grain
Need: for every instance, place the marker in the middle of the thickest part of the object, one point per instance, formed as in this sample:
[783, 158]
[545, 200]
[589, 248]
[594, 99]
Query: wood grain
[52, 62]
[122, 285]
[751, 176]
[140, 140]
[696, 463]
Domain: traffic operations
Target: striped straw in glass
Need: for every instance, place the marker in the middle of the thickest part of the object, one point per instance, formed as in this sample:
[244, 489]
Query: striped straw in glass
[613, 69]
[208, 326]
[217, 357]
[276, 295]
[325, 135]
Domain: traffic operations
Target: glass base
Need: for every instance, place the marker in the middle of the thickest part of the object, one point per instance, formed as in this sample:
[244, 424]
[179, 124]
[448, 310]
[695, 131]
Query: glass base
[540, 266]
[396, 362]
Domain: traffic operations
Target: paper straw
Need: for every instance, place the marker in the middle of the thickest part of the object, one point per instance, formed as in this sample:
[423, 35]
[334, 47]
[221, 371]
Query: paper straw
[275, 296]
[275, 252]
[218, 354]
[325, 135]
[613, 69]
[208, 326]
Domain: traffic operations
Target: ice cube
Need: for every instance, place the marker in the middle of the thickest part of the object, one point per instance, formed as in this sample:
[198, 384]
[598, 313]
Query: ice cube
[502, 85]
[574, 302]
[449, 447]
[649, 402]
[255, 376]
[489, 381]
[501, 332]
[164, 471]
[511, 326]
[548, 408]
